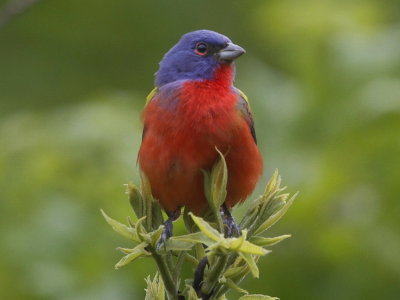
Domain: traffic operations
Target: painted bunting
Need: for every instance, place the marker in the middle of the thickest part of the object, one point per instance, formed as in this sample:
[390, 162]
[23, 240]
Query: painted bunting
[193, 110]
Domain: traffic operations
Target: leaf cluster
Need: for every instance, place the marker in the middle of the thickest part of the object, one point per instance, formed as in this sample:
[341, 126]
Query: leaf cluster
[229, 259]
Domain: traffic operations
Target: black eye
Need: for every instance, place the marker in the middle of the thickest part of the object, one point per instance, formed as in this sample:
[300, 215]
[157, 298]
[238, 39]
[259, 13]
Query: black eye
[201, 48]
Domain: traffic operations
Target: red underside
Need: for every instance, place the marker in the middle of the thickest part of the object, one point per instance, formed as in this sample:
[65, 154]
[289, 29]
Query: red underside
[179, 143]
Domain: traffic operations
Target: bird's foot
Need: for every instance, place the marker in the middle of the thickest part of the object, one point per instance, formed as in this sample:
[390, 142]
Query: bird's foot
[230, 226]
[165, 235]
[168, 229]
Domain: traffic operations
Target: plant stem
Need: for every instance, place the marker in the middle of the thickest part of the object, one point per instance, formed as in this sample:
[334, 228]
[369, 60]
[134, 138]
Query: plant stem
[213, 276]
[178, 266]
[220, 224]
[166, 275]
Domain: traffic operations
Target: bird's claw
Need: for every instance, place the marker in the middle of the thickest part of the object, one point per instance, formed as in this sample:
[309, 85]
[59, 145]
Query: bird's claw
[165, 235]
[230, 226]
[167, 231]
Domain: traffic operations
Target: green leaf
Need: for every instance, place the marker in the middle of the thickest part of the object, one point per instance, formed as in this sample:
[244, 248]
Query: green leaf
[197, 237]
[155, 235]
[206, 228]
[176, 245]
[148, 200]
[274, 205]
[263, 241]
[250, 248]
[125, 250]
[155, 288]
[236, 272]
[141, 231]
[207, 184]
[257, 297]
[187, 219]
[240, 244]
[236, 243]
[251, 263]
[273, 183]
[135, 199]
[156, 214]
[136, 252]
[219, 179]
[232, 285]
[275, 217]
[120, 228]
[190, 293]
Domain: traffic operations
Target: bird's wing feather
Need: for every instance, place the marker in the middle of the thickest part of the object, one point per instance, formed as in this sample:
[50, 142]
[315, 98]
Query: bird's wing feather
[243, 106]
[151, 95]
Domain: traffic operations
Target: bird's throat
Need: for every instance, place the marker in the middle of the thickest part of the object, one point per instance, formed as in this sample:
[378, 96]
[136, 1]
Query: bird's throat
[224, 74]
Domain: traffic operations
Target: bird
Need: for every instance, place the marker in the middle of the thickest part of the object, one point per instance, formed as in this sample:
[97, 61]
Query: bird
[193, 110]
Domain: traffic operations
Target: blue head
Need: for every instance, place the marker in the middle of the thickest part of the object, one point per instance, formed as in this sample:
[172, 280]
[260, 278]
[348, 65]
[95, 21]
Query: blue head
[196, 56]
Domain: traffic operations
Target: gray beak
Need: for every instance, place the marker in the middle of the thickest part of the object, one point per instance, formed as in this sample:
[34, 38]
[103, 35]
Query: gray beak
[230, 53]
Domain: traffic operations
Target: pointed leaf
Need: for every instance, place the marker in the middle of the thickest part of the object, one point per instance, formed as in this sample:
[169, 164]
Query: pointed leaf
[197, 237]
[126, 250]
[120, 228]
[140, 231]
[273, 183]
[235, 272]
[236, 243]
[250, 248]
[275, 217]
[148, 200]
[219, 179]
[274, 205]
[207, 184]
[257, 297]
[191, 293]
[177, 245]
[155, 235]
[251, 263]
[263, 241]
[157, 214]
[231, 284]
[135, 199]
[136, 252]
[155, 288]
[206, 228]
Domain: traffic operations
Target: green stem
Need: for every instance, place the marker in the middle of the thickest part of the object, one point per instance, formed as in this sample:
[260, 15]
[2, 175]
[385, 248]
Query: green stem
[230, 259]
[220, 224]
[166, 275]
[178, 266]
[213, 276]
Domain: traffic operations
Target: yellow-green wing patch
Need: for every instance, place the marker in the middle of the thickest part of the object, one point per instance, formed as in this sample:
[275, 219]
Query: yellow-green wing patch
[243, 106]
[151, 95]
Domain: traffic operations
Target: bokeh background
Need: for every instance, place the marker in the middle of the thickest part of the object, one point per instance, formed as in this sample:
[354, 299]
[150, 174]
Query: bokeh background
[323, 78]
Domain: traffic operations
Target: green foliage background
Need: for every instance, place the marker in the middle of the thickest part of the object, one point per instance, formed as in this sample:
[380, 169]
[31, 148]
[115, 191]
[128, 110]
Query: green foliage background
[323, 78]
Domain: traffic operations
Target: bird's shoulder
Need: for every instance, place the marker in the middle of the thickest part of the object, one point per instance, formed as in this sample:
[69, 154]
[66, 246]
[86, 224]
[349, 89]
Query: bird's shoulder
[167, 95]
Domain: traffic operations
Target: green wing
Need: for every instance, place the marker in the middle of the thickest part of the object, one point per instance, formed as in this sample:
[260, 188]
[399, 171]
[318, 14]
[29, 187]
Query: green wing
[148, 99]
[243, 106]
[151, 95]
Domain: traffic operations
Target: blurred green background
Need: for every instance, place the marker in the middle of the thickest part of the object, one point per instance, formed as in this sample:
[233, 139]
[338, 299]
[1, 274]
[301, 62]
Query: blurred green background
[323, 78]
